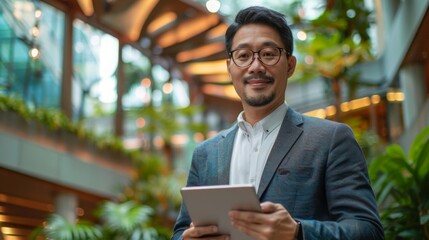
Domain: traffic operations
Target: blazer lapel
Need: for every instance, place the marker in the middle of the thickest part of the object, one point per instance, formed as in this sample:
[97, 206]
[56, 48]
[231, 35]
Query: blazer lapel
[224, 155]
[288, 134]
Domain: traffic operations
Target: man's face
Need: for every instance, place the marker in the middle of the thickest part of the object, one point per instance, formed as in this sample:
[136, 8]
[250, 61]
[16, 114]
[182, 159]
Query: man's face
[259, 85]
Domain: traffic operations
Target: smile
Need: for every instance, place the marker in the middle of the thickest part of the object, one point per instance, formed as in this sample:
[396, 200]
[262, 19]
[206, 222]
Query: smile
[258, 80]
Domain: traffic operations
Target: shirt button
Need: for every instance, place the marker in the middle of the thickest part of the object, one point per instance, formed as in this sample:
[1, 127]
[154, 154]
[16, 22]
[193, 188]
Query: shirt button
[255, 149]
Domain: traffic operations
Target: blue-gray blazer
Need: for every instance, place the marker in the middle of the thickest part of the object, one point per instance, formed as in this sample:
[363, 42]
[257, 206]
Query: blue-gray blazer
[316, 170]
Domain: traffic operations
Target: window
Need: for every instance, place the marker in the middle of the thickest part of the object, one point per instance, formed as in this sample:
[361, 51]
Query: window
[95, 59]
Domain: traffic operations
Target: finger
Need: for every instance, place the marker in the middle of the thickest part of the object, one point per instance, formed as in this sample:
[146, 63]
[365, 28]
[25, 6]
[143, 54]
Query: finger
[247, 217]
[253, 230]
[220, 237]
[195, 232]
[269, 207]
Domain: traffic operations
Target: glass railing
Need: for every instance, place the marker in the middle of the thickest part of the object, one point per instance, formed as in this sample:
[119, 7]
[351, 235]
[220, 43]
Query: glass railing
[36, 80]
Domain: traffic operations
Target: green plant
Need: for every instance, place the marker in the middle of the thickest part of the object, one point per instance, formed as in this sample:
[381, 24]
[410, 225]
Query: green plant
[154, 184]
[336, 40]
[369, 141]
[401, 186]
[126, 220]
[57, 227]
[165, 120]
[56, 120]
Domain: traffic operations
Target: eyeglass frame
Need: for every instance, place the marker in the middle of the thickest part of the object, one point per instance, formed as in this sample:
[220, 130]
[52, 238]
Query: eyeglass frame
[259, 58]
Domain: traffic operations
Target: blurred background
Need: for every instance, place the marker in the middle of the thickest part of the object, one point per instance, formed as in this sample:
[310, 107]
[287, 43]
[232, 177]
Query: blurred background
[103, 101]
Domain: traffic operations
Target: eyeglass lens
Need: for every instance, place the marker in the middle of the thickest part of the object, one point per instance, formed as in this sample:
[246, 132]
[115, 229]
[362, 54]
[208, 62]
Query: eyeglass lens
[244, 57]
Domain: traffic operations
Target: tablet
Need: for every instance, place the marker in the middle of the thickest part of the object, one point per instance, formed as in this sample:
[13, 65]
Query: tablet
[209, 205]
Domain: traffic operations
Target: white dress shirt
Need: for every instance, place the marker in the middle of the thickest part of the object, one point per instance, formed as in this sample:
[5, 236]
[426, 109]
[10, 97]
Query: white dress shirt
[252, 145]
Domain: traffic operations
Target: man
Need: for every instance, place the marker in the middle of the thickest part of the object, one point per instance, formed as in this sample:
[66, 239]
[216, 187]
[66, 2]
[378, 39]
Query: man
[310, 174]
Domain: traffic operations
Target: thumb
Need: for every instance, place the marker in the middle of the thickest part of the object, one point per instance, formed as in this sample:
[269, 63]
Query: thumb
[268, 207]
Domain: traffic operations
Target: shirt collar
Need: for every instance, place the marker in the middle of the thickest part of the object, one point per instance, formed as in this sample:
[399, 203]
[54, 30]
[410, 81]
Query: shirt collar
[269, 123]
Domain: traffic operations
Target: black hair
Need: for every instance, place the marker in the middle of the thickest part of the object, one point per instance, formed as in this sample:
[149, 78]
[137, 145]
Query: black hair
[262, 15]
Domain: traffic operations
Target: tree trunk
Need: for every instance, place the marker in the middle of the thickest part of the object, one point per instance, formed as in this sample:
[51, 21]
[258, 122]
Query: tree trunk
[330, 4]
[336, 89]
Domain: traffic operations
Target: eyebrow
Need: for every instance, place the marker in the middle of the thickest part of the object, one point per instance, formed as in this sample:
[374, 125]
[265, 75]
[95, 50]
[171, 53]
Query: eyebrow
[264, 44]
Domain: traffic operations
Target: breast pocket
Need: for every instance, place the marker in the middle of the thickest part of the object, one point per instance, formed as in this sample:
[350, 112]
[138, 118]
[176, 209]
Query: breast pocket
[296, 186]
[288, 183]
[295, 175]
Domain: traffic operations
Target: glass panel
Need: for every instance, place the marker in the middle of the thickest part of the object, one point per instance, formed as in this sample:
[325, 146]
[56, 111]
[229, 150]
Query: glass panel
[36, 79]
[95, 59]
[160, 76]
[137, 93]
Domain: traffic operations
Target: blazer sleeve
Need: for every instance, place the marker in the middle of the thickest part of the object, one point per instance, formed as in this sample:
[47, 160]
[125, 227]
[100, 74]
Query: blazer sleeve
[350, 199]
[183, 219]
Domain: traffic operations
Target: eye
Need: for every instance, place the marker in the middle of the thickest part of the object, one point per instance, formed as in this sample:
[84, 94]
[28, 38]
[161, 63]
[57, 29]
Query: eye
[242, 55]
[269, 52]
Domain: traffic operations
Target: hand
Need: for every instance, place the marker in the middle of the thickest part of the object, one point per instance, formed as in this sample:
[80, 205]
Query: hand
[201, 233]
[273, 223]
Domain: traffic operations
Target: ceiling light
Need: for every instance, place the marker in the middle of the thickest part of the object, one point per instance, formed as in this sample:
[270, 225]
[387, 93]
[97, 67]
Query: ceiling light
[213, 6]
[34, 53]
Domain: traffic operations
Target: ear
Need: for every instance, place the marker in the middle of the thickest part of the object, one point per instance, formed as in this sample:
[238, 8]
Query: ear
[291, 66]
[228, 62]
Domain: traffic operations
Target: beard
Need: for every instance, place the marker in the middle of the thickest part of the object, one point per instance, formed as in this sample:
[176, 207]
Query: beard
[259, 101]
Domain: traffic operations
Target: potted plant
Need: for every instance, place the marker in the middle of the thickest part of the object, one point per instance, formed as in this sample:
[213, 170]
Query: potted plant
[126, 220]
[401, 186]
[58, 227]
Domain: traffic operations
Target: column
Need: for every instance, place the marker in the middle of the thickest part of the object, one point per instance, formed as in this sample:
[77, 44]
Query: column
[66, 83]
[119, 115]
[412, 81]
[65, 206]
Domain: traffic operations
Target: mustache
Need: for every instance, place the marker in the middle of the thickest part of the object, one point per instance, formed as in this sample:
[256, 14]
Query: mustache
[258, 76]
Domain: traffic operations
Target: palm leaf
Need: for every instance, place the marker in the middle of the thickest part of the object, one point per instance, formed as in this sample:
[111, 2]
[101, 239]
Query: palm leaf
[400, 185]
[59, 228]
[127, 220]
[420, 140]
[124, 217]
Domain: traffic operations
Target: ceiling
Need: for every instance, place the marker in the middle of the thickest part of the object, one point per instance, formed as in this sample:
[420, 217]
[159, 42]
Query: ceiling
[176, 34]
[419, 49]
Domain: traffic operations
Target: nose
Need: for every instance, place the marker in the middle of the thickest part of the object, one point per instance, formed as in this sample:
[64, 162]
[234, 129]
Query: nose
[256, 65]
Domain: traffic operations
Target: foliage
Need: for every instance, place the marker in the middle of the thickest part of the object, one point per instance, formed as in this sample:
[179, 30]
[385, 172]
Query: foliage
[337, 39]
[156, 186]
[56, 120]
[400, 183]
[369, 141]
[153, 185]
[134, 73]
[127, 220]
[165, 120]
[57, 227]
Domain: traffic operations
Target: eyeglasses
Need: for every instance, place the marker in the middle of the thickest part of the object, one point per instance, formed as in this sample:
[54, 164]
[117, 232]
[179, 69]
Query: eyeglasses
[268, 56]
